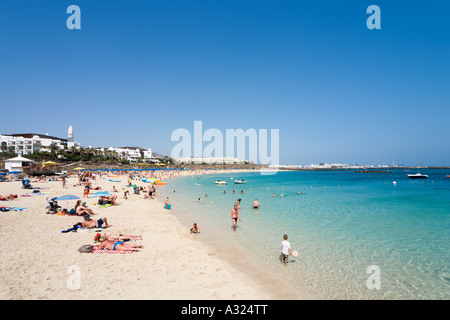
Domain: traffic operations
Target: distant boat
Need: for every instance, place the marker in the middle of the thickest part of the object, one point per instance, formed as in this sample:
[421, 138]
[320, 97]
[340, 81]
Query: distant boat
[417, 176]
[239, 181]
[220, 182]
[448, 176]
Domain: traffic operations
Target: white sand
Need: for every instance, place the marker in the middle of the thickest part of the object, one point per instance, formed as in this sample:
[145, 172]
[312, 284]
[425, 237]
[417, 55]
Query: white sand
[36, 258]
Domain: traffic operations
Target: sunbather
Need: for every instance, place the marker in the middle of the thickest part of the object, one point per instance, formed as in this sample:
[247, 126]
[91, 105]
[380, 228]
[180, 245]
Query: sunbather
[81, 209]
[117, 237]
[8, 197]
[118, 245]
[89, 223]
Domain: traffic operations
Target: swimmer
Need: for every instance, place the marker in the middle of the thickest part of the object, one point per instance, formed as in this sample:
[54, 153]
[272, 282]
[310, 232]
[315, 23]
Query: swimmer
[256, 204]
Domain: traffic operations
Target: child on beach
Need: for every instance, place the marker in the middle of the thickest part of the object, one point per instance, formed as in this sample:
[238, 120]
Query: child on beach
[285, 249]
[194, 229]
[86, 191]
[166, 203]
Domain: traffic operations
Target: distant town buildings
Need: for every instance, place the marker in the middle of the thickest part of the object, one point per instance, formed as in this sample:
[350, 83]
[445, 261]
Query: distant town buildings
[209, 160]
[132, 154]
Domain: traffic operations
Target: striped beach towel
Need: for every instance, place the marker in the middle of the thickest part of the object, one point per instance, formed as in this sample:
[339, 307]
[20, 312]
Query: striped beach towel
[97, 250]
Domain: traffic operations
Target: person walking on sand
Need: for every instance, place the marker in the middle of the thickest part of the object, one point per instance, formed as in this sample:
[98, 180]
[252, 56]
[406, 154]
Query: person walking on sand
[235, 216]
[285, 249]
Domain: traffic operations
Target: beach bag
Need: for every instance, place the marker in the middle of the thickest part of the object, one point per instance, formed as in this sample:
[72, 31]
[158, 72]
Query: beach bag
[72, 211]
[86, 248]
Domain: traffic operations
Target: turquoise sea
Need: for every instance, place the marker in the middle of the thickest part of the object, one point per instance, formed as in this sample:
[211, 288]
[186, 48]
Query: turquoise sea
[342, 223]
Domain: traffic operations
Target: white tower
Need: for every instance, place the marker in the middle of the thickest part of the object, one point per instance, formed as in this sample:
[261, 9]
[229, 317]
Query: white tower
[70, 142]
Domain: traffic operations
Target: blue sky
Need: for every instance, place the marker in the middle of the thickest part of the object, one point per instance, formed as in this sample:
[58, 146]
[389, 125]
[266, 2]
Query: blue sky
[137, 70]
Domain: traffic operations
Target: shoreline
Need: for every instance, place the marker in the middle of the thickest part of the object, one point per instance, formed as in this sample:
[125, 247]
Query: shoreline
[238, 258]
[37, 257]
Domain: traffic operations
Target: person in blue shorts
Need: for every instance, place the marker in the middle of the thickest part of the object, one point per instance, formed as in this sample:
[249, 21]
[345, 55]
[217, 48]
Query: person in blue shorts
[89, 223]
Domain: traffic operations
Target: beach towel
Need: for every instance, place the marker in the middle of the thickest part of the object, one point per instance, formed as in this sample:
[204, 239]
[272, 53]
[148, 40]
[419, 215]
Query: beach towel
[97, 250]
[6, 209]
[105, 205]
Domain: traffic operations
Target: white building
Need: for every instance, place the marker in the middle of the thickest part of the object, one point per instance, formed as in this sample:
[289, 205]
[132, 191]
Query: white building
[16, 164]
[70, 142]
[133, 154]
[29, 143]
[209, 160]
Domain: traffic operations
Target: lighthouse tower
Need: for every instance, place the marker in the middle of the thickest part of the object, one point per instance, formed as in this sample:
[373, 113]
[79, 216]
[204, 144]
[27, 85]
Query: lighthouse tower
[70, 142]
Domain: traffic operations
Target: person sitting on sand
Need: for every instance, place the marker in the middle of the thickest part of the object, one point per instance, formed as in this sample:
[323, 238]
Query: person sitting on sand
[194, 229]
[82, 209]
[117, 245]
[114, 189]
[88, 223]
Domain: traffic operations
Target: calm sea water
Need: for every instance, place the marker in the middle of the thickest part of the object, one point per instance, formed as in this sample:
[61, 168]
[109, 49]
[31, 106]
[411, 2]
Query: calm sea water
[342, 223]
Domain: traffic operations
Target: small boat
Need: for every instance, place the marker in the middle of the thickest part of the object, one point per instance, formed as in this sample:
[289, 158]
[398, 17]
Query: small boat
[417, 176]
[448, 176]
[241, 181]
[220, 182]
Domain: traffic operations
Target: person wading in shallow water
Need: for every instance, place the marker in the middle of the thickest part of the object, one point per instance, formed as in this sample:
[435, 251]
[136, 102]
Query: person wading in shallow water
[235, 216]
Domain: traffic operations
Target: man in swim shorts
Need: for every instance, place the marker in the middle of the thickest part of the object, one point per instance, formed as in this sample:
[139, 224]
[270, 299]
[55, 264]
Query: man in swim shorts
[256, 204]
[89, 223]
[235, 216]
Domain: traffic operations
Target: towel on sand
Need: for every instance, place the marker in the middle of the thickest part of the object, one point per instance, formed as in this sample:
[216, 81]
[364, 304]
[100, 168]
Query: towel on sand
[97, 250]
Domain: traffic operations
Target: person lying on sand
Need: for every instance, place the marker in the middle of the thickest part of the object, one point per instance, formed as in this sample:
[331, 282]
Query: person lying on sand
[89, 223]
[8, 197]
[116, 237]
[117, 245]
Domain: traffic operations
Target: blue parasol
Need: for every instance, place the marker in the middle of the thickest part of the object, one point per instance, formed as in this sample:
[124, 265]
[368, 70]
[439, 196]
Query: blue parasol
[67, 197]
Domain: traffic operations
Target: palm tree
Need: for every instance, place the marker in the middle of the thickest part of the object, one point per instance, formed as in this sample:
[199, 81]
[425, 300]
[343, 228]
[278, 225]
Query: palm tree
[53, 149]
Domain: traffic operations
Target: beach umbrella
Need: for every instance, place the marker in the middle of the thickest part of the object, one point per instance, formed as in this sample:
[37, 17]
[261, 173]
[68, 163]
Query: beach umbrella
[101, 194]
[67, 197]
[14, 172]
[50, 163]
[77, 169]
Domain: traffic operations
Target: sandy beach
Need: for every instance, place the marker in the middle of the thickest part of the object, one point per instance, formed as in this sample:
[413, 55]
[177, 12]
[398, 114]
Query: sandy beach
[40, 262]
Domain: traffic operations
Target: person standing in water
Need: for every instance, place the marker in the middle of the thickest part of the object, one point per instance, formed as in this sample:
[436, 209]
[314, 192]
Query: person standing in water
[285, 249]
[235, 216]
[256, 204]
